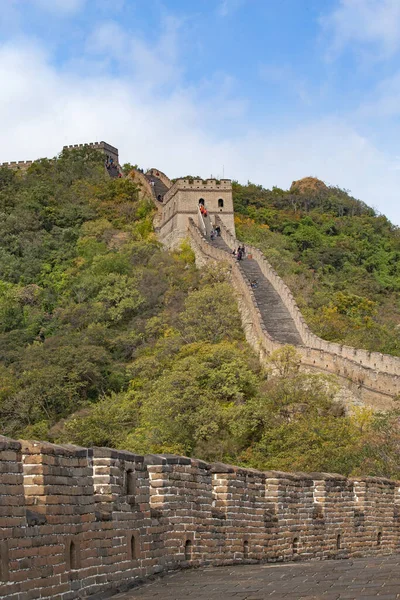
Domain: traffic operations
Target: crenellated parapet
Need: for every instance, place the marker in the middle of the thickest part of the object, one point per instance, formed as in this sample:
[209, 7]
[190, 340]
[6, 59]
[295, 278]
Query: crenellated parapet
[102, 146]
[22, 165]
[78, 521]
[198, 185]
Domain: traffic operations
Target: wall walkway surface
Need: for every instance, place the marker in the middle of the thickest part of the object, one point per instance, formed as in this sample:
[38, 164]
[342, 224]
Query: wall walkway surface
[372, 578]
[374, 378]
[161, 176]
[76, 522]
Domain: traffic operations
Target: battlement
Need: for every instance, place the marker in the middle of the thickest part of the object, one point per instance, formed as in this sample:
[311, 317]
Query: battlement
[107, 149]
[198, 185]
[96, 146]
[21, 164]
[100, 519]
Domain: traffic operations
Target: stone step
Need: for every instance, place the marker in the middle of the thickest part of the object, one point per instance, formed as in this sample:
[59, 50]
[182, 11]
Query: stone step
[159, 188]
[274, 313]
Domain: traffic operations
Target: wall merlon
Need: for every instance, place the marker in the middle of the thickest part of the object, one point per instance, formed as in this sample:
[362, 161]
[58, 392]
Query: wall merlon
[8, 444]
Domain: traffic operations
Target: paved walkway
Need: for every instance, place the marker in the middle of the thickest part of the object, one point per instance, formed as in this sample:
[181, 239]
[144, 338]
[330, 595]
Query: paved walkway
[275, 315]
[358, 579]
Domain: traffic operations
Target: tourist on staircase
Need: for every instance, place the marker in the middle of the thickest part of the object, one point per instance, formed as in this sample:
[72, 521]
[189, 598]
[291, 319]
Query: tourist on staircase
[114, 169]
[203, 210]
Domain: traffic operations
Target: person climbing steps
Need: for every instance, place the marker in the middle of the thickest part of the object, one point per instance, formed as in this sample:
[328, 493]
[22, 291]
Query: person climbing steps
[203, 210]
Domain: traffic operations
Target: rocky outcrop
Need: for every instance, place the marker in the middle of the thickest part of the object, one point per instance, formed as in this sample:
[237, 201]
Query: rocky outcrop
[308, 185]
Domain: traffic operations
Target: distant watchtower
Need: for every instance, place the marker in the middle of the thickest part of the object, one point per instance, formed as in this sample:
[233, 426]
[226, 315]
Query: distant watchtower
[182, 200]
[109, 151]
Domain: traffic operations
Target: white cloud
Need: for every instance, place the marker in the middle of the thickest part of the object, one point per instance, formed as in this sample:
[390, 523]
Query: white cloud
[365, 22]
[383, 101]
[228, 7]
[108, 38]
[63, 7]
[286, 77]
[154, 64]
[42, 109]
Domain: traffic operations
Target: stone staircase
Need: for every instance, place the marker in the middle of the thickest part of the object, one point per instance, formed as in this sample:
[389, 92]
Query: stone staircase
[113, 171]
[204, 223]
[208, 225]
[276, 317]
[159, 188]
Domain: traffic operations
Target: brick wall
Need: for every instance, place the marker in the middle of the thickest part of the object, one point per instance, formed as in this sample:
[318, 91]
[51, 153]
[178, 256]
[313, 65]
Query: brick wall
[22, 165]
[76, 522]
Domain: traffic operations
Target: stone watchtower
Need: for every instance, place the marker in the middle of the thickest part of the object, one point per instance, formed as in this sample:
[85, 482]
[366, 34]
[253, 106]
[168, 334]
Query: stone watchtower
[181, 202]
[109, 151]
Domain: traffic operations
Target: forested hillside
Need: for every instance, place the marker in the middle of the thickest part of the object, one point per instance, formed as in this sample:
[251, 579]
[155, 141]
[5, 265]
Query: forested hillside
[340, 259]
[107, 339]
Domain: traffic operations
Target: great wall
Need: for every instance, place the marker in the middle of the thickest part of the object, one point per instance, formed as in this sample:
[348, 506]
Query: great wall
[106, 149]
[78, 522]
[270, 315]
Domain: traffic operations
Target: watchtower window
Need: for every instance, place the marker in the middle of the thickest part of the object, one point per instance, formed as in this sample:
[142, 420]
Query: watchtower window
[130, 483]
[379, 539]
[245, 549]
[188, 550]
[201, 201]
[295, 545]
[338, 542]
[220, 203]
[133, 548]
[73, 556]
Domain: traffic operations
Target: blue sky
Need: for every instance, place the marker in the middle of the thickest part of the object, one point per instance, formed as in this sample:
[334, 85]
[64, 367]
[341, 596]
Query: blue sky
[261, 90]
